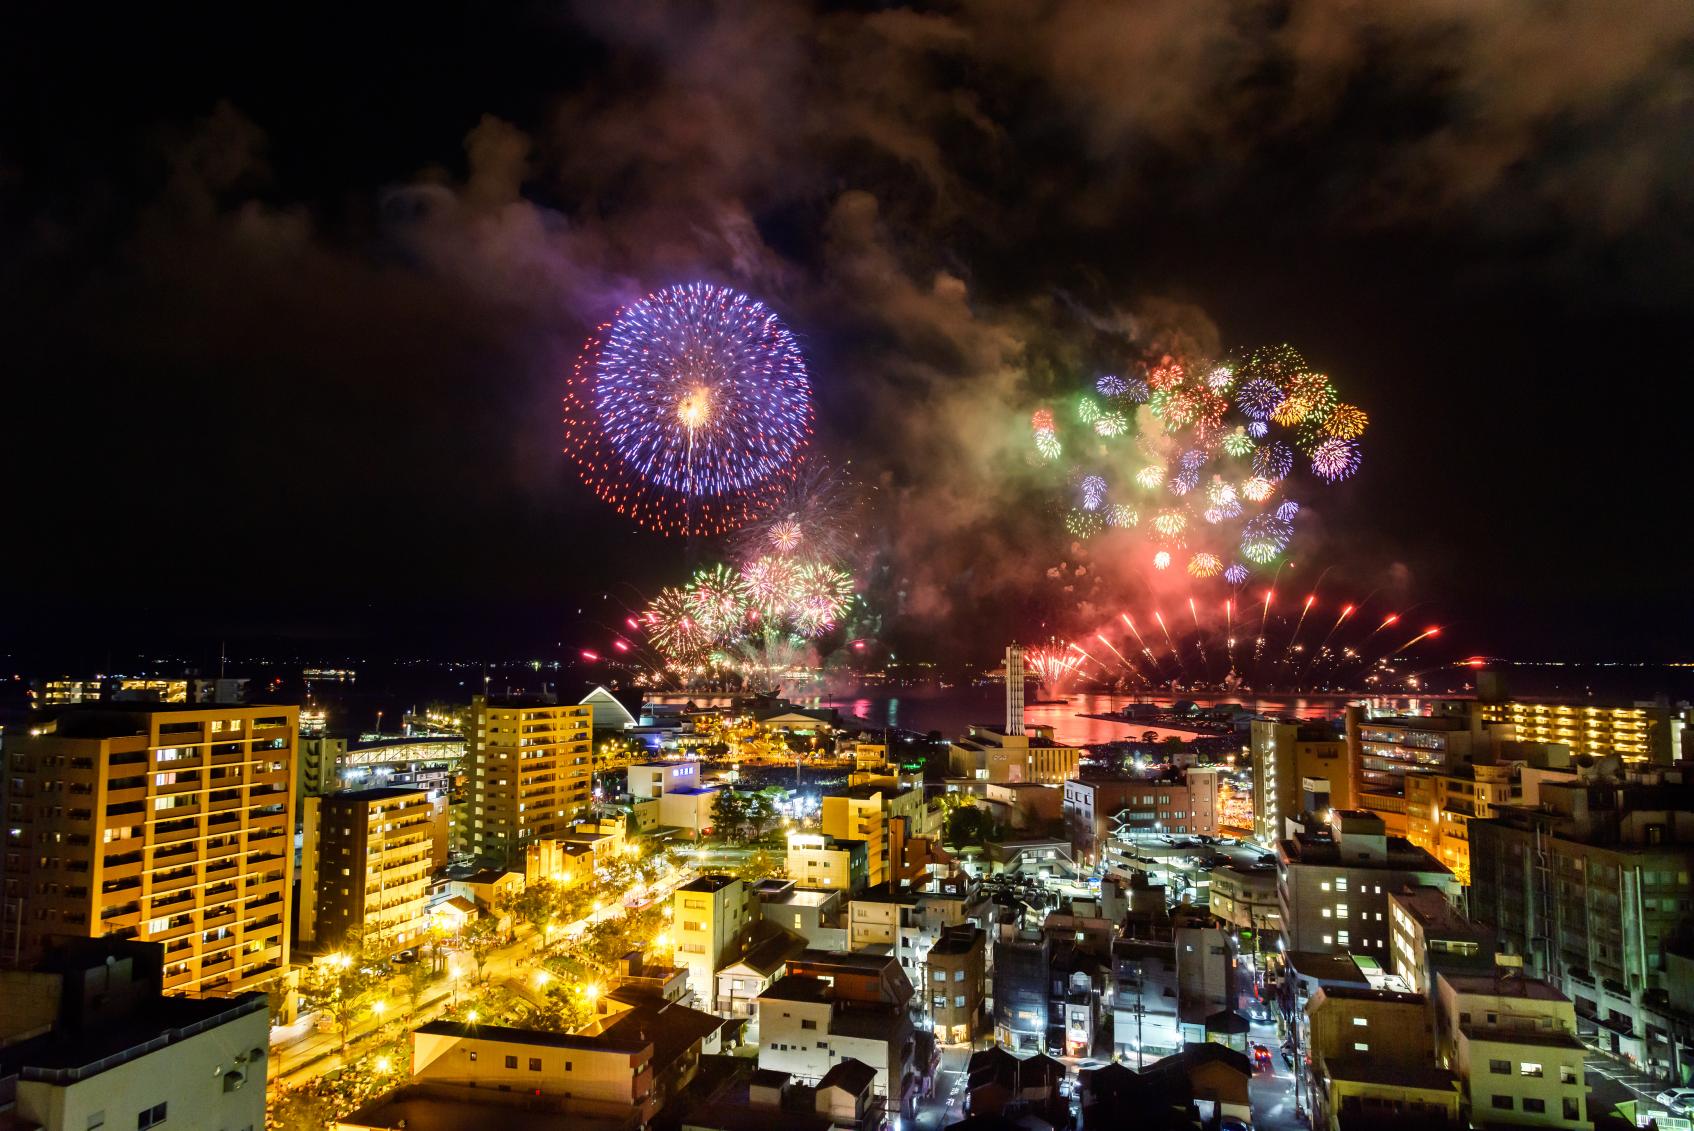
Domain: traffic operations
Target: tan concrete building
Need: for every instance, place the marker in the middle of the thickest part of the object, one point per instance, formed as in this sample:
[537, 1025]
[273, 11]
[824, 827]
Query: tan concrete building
[956, 983]
[365, 862]
[987, 754]
[1333, 884]
[711, 917]
[156, 822]
[1512, 1042]
[1296, 769]
[528, 772]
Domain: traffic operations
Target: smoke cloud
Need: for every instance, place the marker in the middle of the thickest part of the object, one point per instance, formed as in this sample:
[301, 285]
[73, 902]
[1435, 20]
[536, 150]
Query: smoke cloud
[960, 210]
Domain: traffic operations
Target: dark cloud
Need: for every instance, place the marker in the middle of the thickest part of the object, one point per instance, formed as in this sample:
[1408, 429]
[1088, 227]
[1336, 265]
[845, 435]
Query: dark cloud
[344, 300]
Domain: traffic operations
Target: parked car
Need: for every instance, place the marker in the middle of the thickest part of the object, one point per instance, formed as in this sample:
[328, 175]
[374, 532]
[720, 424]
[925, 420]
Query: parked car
[1679, 1100]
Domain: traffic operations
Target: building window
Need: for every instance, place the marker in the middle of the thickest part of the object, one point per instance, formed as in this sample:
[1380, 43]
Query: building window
[1529, 1068]
[473, 1056]
[1573, 1109]
[1567, 1075]
[1503, 1103]
[805, 1024]
[150, 1117]
[1361, 1046]
[1361, 1021]
[958, 975]
[535, 1064]
[1500, 1067]
[1531, 1104]
[511, 1062]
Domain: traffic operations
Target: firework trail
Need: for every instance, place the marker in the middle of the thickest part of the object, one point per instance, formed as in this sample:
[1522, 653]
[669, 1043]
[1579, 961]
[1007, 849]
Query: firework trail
[1229, 629]
[1322, 653]
[1199, 635]
[1082, 652]
[1180, 665]
[1146, 651]
[1294, 637]
[1101, 637]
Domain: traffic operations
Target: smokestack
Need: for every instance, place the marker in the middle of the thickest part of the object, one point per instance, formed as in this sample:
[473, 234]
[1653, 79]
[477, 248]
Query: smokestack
[1014, 689]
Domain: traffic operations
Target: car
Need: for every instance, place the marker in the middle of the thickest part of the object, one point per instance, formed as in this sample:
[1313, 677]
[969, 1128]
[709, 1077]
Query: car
[1679, 1100]
[1260, 1012]
[1230, 1123]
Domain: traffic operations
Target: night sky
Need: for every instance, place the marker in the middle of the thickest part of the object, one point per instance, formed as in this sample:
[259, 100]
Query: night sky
[288, 295]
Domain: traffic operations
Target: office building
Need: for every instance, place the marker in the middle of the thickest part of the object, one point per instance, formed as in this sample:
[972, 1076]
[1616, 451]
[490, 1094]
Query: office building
[986, 754]
[1333, 884]
[601, 1076]
[115, 1052]
[1591, 890]
[528, 773]
[155, 822]
[1246, 897]
[1296, 769]
[365, 863]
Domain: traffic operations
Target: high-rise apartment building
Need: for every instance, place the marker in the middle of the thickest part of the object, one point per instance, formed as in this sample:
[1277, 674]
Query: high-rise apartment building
[1592, 890]
[528, 771]
[166, 823]
[1640, 732]
[365, 862]
[1296, 769]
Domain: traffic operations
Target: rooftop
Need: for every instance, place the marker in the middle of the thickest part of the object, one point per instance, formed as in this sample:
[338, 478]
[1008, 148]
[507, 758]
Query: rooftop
[1368, 1070]
[850, 1074]
[714, 882]
[1509, 986]
[440, 1107]
[375, 793]
[537, 1037]
[102, 1043]
[796, 987]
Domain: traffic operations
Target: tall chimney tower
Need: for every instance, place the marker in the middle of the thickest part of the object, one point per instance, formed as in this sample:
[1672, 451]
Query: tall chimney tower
[1014, 689]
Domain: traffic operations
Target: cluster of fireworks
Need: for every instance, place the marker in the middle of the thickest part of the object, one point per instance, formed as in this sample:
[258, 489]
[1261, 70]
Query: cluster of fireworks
[1259, 644]
[690, 411]
[791, 587]
[1200, 457]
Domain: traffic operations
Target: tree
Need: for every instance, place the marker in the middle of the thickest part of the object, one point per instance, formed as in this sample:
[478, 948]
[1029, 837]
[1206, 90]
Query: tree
[537, 904]
[729, 811]
[481, 936]
[420, 976]
[968, 825]
[342, 987]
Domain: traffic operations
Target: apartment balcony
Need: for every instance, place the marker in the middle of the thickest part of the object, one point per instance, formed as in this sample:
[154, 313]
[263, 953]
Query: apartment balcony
[225, 868]
[226, 757]
[220, 853]
[161, 885]
[127, 917]
[174, 935]
[217, 966]
[263, 888]
[129, 869]
[174, 833]
[133, 795]
[218, 916]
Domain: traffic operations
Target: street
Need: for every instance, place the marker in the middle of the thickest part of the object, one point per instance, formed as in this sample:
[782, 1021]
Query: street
[302, 1053]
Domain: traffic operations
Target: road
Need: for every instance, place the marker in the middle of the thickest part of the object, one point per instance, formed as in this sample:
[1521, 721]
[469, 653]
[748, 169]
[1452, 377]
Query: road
[303, 1054]
[1612, 1082]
